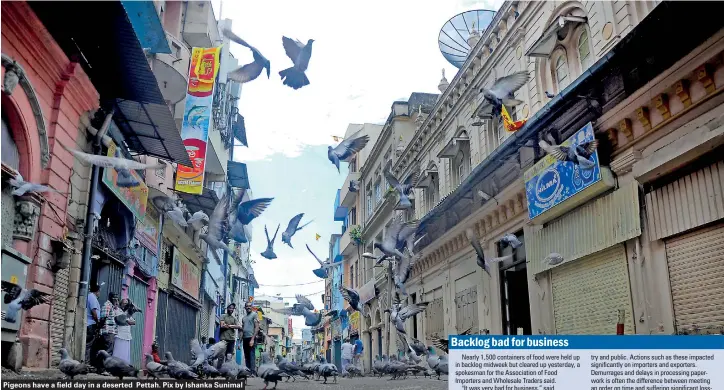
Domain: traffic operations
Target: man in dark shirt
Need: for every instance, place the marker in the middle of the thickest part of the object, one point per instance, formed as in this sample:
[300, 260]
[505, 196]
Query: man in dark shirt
[228, 325]
[250, 328]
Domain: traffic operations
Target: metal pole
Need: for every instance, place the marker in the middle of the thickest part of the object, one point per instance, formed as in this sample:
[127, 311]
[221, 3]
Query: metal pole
[390, 291]
[91, 219]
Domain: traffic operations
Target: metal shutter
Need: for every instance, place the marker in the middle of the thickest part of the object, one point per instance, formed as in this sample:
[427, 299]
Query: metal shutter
[434, 315]
[466, 303]
[587, 293]
[696, 271]
[161, 321]
[204, 330]
[58, 313]
[180, 328]
[112, 274]
[137, 294]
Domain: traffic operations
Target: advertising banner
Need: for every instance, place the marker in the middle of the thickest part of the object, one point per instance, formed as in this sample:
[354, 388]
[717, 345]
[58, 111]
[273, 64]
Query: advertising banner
[134, 198]
[197, 117]
[354, 321]
[185, 275]
[147, 231]
[550, 182]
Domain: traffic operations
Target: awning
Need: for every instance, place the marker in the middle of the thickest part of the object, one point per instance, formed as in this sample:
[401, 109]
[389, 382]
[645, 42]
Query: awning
[110, 53]
[205, 202]
[239, 129]
[148, 27]
[544, 46]
[453, 146]
[426, 178]
[237, 175]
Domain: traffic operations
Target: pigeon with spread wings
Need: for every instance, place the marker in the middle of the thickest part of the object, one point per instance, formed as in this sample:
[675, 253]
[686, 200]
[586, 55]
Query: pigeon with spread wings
[578, 154]
[403, 190]
[215, 232]
[399, 314]
[292, 228]
[483, 262]
[245, 212]
[167, 205]
[251, 70]
[304, 308]
[300, 54]
[269, 252]
[320, 272]
[18, 298]
[502, 92]
[346, 149]
[443, 343]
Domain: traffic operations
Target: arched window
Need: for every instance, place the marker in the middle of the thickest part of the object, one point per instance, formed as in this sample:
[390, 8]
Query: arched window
[584, 51]
[10, 154]
[560, 70]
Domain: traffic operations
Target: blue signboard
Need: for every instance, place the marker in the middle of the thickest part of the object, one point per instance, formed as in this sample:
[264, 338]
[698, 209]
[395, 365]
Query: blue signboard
[550, 181]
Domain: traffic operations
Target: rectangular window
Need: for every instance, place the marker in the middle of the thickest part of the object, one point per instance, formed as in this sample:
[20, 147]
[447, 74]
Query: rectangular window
[369, 203]
[353, 165]
[351, 276]
[378, 191]
[353, 216]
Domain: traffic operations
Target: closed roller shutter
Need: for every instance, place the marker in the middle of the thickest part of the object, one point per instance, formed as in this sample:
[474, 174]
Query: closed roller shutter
[696, 271]
[434, 315]
[57, 319]
[466, 303]
[589, 292]
[137, 295]
[161, 321]
[204, 333]
[180, 328]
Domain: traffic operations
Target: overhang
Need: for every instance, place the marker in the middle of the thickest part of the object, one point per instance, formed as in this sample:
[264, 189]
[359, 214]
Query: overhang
[238, 127]
[205, 202]
[543, 47]
[109, 50]
[452, 148]
[144, 18]
[237, 175]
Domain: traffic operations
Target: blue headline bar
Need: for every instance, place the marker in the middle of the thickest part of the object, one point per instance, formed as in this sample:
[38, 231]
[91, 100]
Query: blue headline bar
[586, 342]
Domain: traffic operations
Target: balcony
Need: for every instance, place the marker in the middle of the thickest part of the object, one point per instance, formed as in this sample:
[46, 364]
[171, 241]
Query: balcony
[346, 243]
[348, 197]
[340, 212]
[336, 255]
[199, 27]
[215, 154]
[171, 70]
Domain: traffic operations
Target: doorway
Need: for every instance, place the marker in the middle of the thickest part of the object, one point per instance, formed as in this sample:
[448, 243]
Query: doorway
[515, 304]
[379, 341]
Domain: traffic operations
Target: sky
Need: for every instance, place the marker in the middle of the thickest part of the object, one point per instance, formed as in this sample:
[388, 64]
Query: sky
[365, 56]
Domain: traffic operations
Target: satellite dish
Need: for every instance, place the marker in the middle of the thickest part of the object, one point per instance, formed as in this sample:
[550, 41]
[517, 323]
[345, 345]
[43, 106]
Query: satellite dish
[454, 34]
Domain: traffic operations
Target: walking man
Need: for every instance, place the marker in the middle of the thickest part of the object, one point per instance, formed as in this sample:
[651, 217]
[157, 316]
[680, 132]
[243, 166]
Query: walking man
[347, 353]
[249, 329]
[358, 347]
[229, 324]
[93, 311]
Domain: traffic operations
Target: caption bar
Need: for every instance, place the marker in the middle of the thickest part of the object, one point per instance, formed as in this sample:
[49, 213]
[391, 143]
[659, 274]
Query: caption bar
[586, 362]
[17, 384]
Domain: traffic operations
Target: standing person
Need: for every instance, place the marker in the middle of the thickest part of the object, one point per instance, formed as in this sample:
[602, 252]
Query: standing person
[358, 348]
[92, 313]
[347, 353]
[249, 329]
[229, 324]
[122, 342]
[108, 331]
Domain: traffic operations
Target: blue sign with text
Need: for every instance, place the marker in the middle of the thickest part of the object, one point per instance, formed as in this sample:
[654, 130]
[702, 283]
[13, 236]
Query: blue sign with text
[550, 181]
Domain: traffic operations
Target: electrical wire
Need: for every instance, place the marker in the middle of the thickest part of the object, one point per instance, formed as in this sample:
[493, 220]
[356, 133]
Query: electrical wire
[290, 285]
[304, 295]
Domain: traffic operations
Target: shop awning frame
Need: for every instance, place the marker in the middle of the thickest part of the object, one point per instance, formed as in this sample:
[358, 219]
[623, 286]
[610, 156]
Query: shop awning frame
[206, 201]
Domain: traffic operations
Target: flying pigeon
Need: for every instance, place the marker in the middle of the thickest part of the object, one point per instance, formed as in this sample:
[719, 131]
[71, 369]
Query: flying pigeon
[303, 308]
[443, 344]
[292, 228]
[178, 370]
[198, 219]
[70, 367]
[214, 234]
[401, 271]
[167, 205]
[247, 211]
[482, 261]
[346, 149]
[553, 259]
[154, 369]
[502, 93]
[351, 296]
[269, 372]
[269, 252]
[112, 162]
[320, 272]
[117, 366]
[578, 154]
[511, 240]
[403, 190]
[249, 71]
[124, 178]
[397, 233]
[18, 298]
[300, 54]
[399, 314]
[22, 187]
[403, 345]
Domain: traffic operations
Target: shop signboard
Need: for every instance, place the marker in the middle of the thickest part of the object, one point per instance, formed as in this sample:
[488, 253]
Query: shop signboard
[185, 275]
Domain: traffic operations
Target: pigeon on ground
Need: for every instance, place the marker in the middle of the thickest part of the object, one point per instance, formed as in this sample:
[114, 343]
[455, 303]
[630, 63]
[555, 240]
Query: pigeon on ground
[511, 240]
[403, 345]
[399, 314]
[289, 368]
[269, 372]
[178, 370]
[578, 154]
[441, 367]
[216, 351]
[443, 343]
[18, 298]
[308, 368]
[71, 367]
[502, 93]
[112, 162]
[553, 259]
[303, 308]
[154, 369]
[300, 54]
[230, 370]
[198, 220]
[22, 187]
[354, 371]
[249, 71]
[327, 369]
[483, 262]
[346, 149]
[378, 366]
[403, 190]
[175, 212]
[206, 370]
[117, 366]
[432, 358]
[15, 356]
[292, 228]
[215, 232]
[398, 232]
[269, 252]
[320, 272]
[198, 353]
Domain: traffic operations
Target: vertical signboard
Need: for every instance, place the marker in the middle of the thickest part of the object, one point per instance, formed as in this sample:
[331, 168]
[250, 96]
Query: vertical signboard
[131, 190]
[197, 117]
[185, 274]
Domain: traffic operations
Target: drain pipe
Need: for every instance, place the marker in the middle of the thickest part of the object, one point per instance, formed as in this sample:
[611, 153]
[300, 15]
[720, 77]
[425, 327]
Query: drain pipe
[90, 223]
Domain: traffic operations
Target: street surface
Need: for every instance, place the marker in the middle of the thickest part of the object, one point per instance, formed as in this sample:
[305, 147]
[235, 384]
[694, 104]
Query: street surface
[365, 383]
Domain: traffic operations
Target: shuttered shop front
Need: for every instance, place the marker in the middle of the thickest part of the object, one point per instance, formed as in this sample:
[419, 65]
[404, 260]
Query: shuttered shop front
[137, 295]
[161, 311]
[589, 292]
[57, 322]
[696, 271]
[180, 328]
